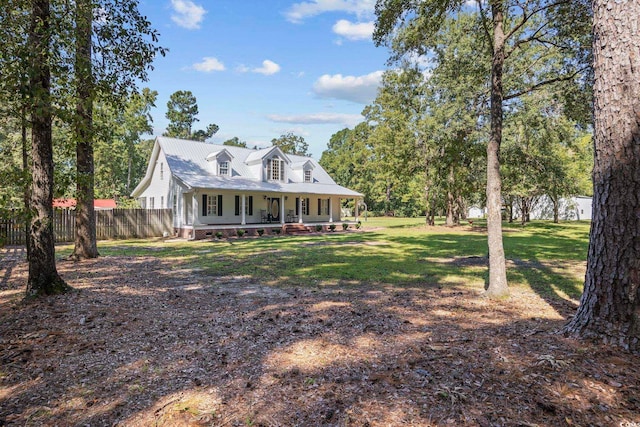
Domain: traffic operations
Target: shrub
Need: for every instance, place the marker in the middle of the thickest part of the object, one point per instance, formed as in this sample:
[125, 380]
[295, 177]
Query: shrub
[332, 227]
[358, 225]
[260, 231]
[318, 227]
[275, 230]
[240, 233]
[219, 234]
[345, 225]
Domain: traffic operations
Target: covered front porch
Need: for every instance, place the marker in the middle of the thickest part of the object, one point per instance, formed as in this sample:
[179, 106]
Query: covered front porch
[208, 212]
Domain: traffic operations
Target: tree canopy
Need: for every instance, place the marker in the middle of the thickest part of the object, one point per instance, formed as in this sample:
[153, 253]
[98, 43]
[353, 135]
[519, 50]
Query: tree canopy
[182, 109]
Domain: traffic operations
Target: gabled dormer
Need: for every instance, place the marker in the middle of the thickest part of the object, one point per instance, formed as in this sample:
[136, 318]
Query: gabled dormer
[273, 163]
[220, 162]
[303, 171]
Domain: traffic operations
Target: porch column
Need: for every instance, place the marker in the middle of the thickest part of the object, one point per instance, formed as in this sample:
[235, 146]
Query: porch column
[282, 218]
[356, 209]
[330, 209]
[300, 209]
[195, 208]
[244, 218]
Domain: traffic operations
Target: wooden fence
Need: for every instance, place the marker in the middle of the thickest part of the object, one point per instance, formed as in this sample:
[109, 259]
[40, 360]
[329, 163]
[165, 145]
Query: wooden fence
[110, 224]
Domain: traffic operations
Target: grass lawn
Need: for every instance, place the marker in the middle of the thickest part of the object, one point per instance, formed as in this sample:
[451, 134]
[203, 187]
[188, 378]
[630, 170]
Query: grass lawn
[390, 251]
[381, 327]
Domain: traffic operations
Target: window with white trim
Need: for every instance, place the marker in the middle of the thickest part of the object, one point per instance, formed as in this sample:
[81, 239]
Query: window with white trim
[307, 176]
[151, 202]
[305, 206]
[324, 206]
[161, 202]
[223, 168]
[212, 206]
[276, 170]
[174, 199]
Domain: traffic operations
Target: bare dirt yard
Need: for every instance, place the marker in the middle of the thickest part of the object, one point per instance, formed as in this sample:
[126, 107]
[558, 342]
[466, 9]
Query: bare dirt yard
[139, 343]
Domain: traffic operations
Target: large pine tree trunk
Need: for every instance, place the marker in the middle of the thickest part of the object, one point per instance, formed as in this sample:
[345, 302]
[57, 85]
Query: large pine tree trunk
[609, 308]
[43, 275]
[85, 242]
[497, 285]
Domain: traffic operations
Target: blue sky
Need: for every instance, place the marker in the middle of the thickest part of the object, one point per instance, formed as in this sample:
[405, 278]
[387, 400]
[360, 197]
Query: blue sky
[262, 68]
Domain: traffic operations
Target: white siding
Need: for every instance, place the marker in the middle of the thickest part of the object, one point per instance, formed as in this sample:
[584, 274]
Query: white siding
[159, 186]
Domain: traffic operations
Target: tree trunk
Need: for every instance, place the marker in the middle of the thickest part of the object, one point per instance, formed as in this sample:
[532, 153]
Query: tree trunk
[462, 209]
[387, 200]
[609, 308]
[497, 286]
[427, 189]
[26, 182]
[524, 209]
[43, 275]
[555, 200]
[85, 242]
[450, 221]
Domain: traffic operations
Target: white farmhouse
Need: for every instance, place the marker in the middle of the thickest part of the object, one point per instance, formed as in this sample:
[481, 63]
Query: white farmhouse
[215, 187]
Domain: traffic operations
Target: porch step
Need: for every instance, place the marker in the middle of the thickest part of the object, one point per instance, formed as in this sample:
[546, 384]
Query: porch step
[295, 228]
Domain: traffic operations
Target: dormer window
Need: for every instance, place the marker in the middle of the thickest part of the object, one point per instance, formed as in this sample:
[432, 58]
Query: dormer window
[275, 169]
[307, 176]
[223, 168]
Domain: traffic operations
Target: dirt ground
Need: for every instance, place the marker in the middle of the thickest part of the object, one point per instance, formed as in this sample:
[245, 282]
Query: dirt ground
[141, 344]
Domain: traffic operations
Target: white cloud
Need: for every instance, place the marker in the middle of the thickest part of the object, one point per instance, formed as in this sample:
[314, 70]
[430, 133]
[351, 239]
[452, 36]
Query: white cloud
[242, 68]
[187, 14]
[360, 89]
[317, 119]
[208, 65]
[268, 68]
[354, 31]
[299, 11]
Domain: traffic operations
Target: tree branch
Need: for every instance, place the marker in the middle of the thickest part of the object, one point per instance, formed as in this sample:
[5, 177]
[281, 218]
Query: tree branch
[544, 83]
[483, 16]
[526, 17]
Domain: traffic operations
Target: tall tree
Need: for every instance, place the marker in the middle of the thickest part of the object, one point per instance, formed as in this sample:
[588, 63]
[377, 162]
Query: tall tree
[292, 144]
[510, 27]
[85, 236]
[124, 45]
[43, 275]
[182, 109]
[610, 304]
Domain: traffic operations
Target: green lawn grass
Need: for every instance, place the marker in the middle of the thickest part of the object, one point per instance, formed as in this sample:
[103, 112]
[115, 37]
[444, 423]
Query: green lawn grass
[390, 252]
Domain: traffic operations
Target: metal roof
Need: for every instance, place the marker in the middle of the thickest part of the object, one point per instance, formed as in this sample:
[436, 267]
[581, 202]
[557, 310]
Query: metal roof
[187, 160]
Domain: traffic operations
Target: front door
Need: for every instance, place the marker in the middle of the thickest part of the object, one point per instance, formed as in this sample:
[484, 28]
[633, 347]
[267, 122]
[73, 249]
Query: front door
[274, 208]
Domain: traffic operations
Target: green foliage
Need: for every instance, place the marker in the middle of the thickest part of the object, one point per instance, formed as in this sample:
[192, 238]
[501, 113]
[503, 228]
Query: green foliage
[332, 227]
[318, 228]
[219, 235]
[240, 232]
[182, 109]
[121, 155]
[260, 231]
[292, 144]
[235, 142]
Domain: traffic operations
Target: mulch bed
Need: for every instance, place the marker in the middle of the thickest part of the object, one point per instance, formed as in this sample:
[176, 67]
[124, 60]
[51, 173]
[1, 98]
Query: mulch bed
[139, 343]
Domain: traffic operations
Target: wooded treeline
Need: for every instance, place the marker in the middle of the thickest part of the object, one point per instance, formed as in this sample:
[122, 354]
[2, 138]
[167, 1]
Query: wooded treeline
[421, 149]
